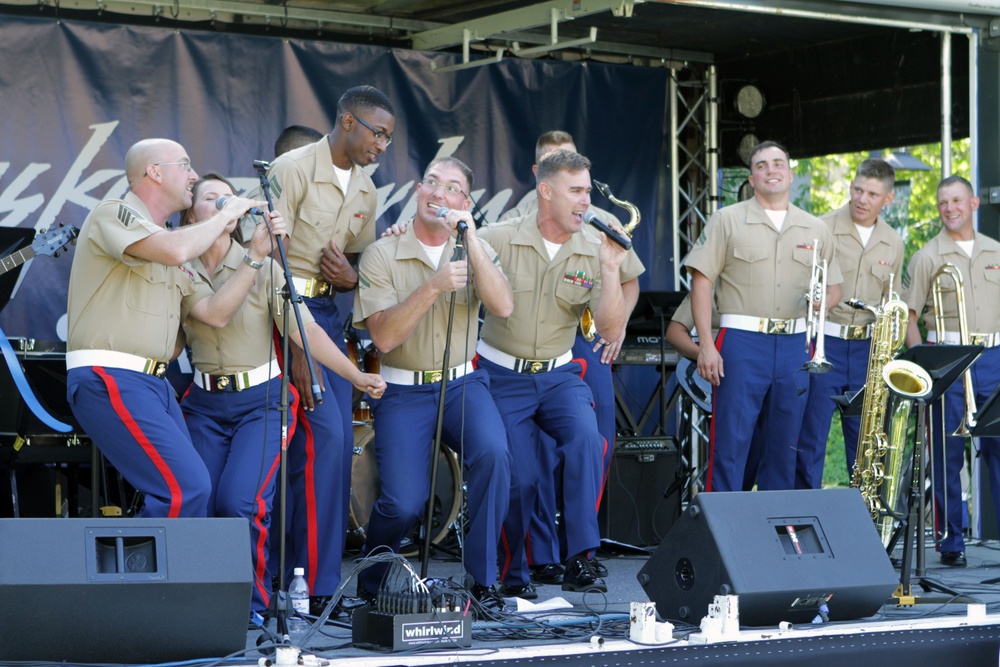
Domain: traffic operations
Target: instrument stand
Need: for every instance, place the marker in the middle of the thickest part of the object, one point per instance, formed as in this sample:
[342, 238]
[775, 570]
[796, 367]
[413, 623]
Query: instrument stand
[425, 549]
[944, 364]
[279, 607]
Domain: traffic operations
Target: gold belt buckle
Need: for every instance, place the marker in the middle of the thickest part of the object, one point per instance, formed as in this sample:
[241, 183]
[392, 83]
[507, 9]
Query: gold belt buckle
[316, 287]
[222, 382]
[777, 326]
[533, 366]
[856, 332]
[430, 377]
[155, 368]
[979, 339]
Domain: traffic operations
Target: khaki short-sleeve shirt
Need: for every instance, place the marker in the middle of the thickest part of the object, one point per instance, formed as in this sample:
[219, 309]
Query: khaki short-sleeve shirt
[391, 269]
[549, 296]
[305, 189]
[756, 270]
[980, 283]
[246, 342]
[865, 268]
[122, 303]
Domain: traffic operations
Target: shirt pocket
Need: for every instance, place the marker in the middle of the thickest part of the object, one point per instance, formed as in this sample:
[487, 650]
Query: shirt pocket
[572, 294]
[147, 288]
[316, 218]
[750, 265]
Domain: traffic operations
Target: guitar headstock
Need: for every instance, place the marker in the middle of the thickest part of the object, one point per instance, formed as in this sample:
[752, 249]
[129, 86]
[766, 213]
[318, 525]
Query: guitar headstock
[53, 241]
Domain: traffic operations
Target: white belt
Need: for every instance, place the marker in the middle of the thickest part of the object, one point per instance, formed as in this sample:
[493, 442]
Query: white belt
[112, 359]
[953, 338]
[848, 331]
[236, 381]
[768, 325]
[518, 365]
[310, 287]
[403, 376]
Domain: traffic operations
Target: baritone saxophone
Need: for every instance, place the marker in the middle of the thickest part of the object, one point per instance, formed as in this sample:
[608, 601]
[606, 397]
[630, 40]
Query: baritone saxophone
[588, 327]
[891, 388]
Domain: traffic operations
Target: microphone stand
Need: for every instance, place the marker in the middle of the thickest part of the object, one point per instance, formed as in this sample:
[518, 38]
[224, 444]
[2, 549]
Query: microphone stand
[425, 550]
[289, 296]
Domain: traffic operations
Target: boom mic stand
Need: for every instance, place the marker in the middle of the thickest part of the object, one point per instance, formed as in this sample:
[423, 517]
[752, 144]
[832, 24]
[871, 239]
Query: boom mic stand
[425, 550]
[289, 296]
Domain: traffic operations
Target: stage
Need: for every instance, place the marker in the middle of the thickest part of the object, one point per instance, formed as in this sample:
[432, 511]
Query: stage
[595, 631]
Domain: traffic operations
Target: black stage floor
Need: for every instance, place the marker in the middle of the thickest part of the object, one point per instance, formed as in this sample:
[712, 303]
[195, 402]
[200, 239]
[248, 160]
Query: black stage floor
[938, 630]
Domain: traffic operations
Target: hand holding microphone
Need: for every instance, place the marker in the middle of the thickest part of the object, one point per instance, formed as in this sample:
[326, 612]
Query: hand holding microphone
[443, 211]
[622, 240]
[220, 204]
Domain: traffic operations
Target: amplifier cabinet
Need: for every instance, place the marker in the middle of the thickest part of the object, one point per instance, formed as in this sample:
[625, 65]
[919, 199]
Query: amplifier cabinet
[642, 497]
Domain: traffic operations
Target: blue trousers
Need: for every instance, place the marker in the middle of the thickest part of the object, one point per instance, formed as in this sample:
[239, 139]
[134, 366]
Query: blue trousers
[949, 456]
[319, 472]
[850, 370]
[543, 534]
[238, 435]
[560, 404]
[405, 422]
[764, 380]
[135, 421]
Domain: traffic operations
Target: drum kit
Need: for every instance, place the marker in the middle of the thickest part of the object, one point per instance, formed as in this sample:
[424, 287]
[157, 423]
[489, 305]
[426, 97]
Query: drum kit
[364, 470]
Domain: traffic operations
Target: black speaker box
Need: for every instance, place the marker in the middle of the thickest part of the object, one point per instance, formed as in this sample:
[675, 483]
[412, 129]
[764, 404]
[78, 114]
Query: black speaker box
[784, 553]
[123, 591]
[642, 498]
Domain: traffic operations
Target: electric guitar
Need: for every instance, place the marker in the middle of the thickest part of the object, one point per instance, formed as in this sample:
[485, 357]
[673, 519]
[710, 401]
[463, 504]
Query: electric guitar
[46, 243]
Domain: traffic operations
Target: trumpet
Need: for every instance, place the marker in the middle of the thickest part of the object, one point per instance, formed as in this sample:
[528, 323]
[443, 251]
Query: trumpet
[969, 418]
[588, 327]
[816, 322]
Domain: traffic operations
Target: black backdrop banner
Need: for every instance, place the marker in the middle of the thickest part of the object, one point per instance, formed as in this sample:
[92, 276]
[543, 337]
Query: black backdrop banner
[76, 95]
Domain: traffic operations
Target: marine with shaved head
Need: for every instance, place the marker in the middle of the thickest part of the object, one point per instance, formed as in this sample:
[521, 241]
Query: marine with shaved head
[127, 287]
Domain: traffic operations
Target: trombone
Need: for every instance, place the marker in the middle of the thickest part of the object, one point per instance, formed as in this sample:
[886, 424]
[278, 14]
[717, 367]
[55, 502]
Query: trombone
[969, 418]
[816, 322]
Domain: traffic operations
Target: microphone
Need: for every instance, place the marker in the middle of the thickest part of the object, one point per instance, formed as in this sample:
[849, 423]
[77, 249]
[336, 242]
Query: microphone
[442, 212]
[620, 239]
[221, 202]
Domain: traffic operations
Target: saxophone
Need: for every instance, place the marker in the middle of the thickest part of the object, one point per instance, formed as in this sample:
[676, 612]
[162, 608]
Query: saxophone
[891, 387]
[587, 325]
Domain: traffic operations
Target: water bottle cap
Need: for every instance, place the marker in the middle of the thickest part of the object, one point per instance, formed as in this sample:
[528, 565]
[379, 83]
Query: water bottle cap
[299, 572]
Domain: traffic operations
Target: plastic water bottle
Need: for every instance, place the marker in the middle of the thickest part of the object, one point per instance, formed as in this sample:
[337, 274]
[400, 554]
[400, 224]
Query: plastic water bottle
[298, 594]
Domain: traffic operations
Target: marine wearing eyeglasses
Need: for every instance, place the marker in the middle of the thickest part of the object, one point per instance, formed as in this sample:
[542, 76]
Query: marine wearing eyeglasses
[126, 295]
[330, 205]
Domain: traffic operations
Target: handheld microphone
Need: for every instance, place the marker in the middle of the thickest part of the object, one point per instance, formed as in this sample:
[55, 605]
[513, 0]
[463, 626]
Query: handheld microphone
[622, 240]
[220, 203]
[442, 212]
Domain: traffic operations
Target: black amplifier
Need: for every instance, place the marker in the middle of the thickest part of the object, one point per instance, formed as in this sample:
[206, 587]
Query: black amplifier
[646, 351]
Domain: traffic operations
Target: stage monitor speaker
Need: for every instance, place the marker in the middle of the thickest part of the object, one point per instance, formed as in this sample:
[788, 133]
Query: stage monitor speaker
[784, 553]
[643, 494]
[123, 591]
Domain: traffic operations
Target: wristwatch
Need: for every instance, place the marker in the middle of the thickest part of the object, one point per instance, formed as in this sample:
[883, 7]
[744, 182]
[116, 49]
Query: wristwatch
[252, 264]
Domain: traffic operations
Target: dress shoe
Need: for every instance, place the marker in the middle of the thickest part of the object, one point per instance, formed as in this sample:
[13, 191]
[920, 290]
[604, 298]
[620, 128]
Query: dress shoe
[366, 596]
[580, 577]
[953, 558]
[317, 604]
[525, 591]
[487, 599]
[548, 574]
[598, 567]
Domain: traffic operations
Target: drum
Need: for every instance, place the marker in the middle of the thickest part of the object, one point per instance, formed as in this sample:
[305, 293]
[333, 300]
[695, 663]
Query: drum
[365, 491]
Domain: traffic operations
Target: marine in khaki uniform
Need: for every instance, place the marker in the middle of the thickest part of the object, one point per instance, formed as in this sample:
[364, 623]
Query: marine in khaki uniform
[329, 203]
[126, 290]
[556, 270]
[407, 284]
[977, 258]
[233, 409]
[869, 251]
[758, 256]
[597, 354]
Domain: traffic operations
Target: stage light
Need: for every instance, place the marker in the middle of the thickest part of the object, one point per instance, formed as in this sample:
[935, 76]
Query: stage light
[749, 101]
[747, 143]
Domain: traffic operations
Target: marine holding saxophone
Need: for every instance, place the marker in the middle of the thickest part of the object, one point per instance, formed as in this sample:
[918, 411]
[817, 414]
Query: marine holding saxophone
[976, 258]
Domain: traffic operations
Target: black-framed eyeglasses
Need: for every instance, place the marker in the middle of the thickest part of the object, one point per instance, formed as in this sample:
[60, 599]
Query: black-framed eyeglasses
[433, 184]
[379, 134]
